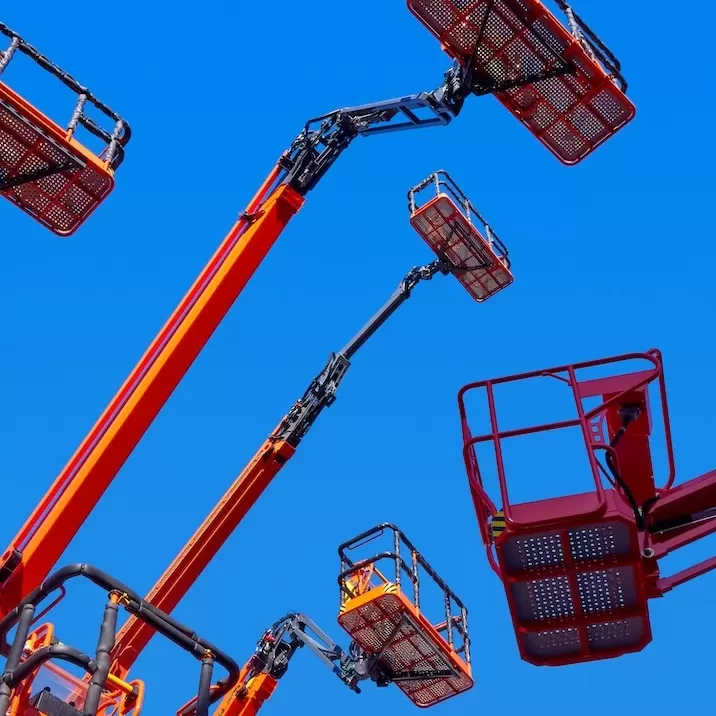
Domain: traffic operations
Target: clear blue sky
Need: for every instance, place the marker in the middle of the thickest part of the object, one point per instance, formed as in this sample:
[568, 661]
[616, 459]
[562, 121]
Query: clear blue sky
[612, 256]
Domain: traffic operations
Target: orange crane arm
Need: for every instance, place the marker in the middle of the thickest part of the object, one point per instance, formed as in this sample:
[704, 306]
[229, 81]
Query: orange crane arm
[202, 547]
[253, 480]
[276, 648]
[76, 491]
[52, 525]
[257, 692]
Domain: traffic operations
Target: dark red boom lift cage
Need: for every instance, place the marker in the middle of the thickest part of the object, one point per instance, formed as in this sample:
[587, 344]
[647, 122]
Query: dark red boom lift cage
[579, 570]
[44, 169]
[564, 85]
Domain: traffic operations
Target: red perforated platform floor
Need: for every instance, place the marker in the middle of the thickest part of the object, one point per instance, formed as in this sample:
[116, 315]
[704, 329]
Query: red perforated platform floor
[448, 232]
[576, 594]
[372, 618]
[572, 114]
[30, 146]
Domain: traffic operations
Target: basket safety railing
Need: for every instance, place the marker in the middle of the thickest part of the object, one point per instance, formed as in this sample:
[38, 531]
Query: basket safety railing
[454, 627]
[116, 139]
[444, 184]
[18, 669]
[591, 42]
[589, 421]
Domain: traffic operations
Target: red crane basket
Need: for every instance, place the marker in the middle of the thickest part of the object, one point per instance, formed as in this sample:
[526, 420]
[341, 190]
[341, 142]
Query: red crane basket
[578, 570]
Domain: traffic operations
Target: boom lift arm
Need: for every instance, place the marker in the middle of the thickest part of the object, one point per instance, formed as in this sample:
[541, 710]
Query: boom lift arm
[269, 664]
[64, 508]
[256, 476]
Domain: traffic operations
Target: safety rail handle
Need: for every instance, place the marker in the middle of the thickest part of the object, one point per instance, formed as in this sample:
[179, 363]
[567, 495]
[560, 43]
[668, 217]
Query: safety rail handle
[349, 567]
[653, 356]
[22, 617]
[115, 140]
[583, 32]
[486, 508]
[445, 184]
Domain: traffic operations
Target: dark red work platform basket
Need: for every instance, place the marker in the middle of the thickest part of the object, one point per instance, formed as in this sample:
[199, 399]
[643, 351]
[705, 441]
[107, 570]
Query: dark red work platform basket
[576, 569]
[53, 178]
[566, 89]
[456, 231]
[44, 169]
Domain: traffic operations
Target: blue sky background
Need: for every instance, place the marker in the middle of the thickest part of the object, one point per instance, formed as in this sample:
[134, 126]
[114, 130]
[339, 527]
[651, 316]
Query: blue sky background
[614, 255]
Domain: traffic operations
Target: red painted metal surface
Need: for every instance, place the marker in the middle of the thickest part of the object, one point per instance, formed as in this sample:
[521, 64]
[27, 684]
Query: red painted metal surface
[577, 570]
[448, 231]
[571, 114]
[30, 143]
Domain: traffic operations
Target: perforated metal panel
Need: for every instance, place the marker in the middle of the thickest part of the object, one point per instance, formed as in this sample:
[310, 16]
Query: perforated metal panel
[46, 177]
[575, 592]
[446, 230]
[521, 41]
[412, 648]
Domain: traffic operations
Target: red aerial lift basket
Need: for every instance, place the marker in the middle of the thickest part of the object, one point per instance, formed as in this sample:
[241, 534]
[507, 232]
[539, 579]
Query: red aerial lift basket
[564, 85]
[449, 222]
[44, 170]
[429, 662]
[578, 570]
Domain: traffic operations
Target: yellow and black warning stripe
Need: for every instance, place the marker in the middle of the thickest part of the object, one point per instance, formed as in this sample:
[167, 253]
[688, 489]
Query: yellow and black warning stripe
[498, 524]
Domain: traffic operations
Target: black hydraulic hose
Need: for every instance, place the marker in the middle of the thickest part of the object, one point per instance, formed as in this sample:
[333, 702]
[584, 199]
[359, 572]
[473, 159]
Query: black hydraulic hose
[638, 515]
[23, 629]
[63, 652]
[203, 699]
[13, 659]
[105, 645]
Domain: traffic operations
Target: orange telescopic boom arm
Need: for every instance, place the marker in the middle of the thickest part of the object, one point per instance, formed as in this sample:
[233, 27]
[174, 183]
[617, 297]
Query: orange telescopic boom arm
[257, 692]
[52, 525]
[261, 674]
[253, 480]
[76, 491]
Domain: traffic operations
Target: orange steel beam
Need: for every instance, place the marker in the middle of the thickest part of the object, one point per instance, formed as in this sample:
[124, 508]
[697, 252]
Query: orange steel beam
[245, 699]
[248, 702]
[273, 455]
[78, 488]
[201, 548]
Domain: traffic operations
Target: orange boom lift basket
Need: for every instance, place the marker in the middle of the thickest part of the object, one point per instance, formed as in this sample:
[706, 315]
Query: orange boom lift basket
[44, 170]
[454, 229]
[429, 662]
[564, 85]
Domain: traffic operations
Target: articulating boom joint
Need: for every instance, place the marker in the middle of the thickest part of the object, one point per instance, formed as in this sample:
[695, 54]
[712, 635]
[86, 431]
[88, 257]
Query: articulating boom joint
[322, 391]
[278, 645]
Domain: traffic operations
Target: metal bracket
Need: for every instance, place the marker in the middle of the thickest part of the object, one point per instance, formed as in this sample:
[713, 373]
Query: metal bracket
[278, 645]
[320, 394]
[324, 138]
[11, 563]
